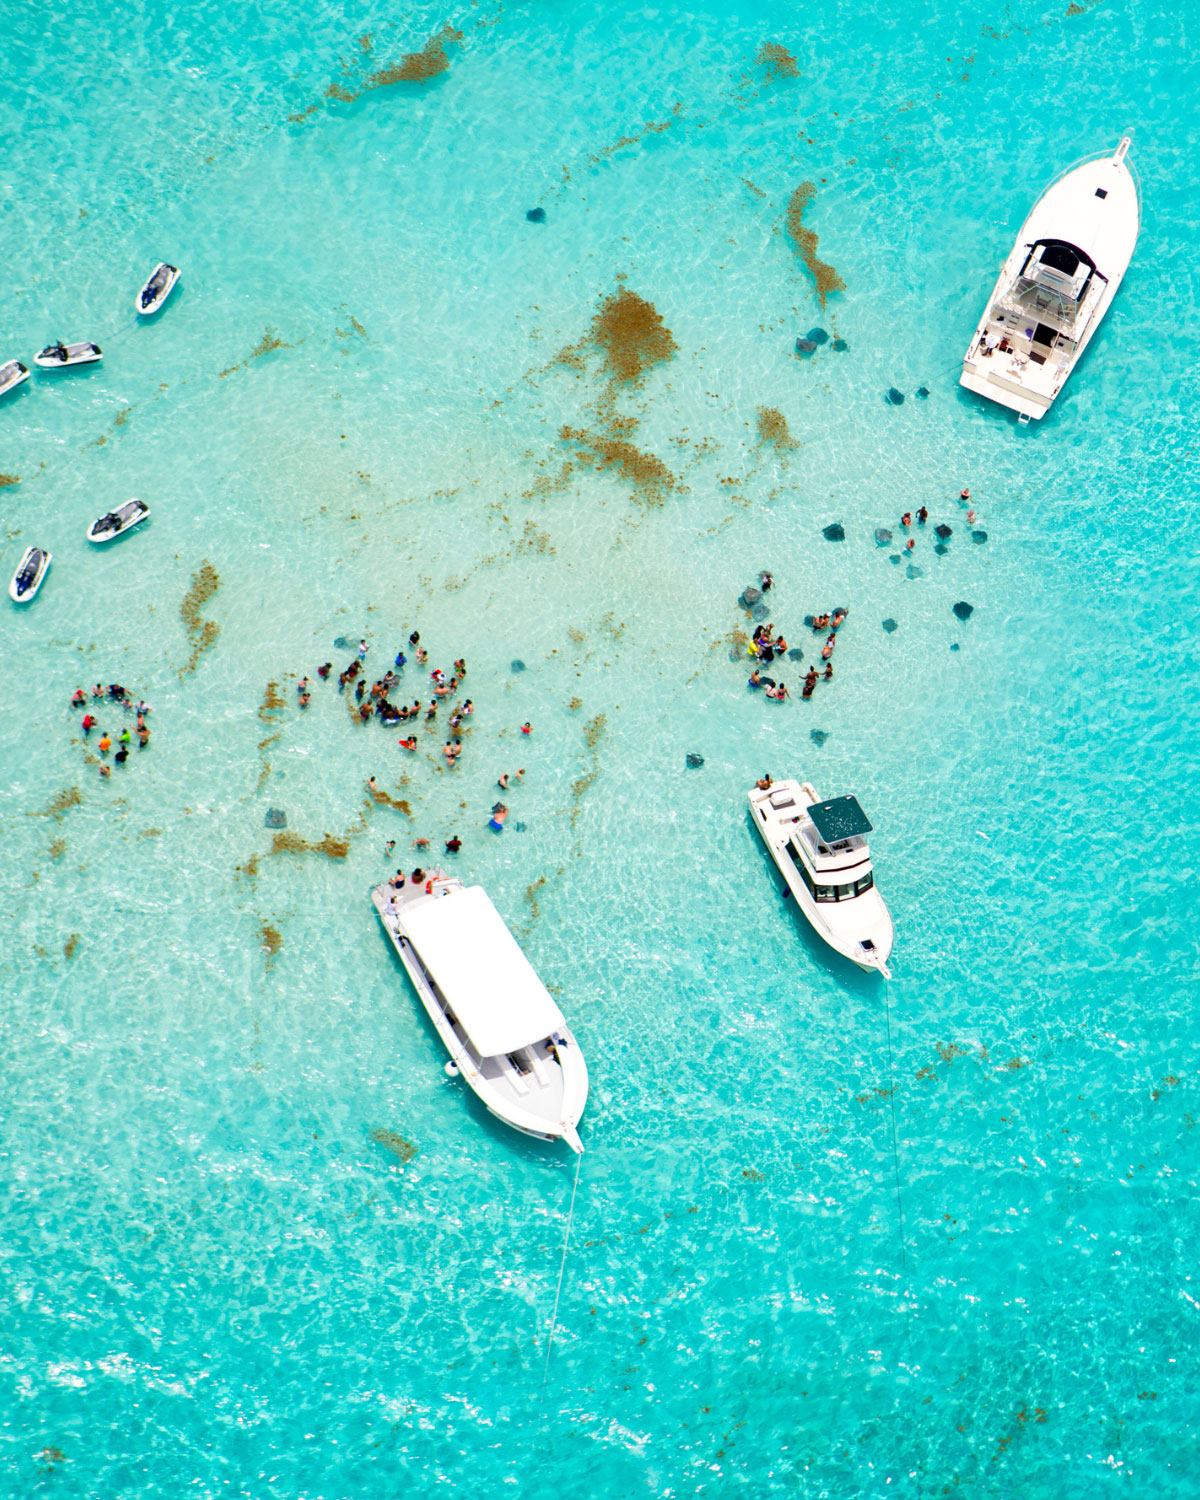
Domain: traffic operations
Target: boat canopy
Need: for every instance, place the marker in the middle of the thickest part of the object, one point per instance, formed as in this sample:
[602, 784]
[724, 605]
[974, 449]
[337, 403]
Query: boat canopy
[485, 980]
[839, 819]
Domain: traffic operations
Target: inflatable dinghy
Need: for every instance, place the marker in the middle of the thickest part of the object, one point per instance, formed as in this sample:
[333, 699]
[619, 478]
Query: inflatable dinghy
[12, 375]
[28, 578]
[117, 522]
[59, 356]
[157, 289]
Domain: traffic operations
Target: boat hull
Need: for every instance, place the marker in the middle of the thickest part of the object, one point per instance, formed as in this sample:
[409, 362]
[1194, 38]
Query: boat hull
[12, 375]
[1095, 208]
[78, 354]
[864, 919]
[161, 295]
[19, 596]
[482, 1075]
[104, 538]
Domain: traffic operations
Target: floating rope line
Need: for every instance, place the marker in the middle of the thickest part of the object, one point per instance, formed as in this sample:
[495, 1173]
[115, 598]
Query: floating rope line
[562, 1266]
[887, 1011]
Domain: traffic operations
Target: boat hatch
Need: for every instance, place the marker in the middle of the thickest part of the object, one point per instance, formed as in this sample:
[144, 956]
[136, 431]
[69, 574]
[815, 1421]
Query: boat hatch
[839, 819]
[782, 799]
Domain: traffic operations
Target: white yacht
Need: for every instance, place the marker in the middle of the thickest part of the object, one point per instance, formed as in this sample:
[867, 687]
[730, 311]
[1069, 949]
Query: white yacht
[1056, 285]
[499, 1023]
[821, 850]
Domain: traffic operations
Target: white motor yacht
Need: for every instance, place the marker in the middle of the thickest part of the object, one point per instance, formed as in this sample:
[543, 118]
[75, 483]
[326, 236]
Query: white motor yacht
[1056, 285]
[821, 850]
[62, 356]
[499, 1023]
[117, 522]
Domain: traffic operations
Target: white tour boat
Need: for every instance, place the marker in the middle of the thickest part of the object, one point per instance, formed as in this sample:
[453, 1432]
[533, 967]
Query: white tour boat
[157, 289]
[117, 522]
[821, 850]
[62, 356]
[499, 1023]
[1056, 285]
[12, 374]
[31, 570]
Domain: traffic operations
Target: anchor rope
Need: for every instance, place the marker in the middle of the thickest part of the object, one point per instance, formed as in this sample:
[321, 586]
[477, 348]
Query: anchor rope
[562, 1266]
[887, 1012]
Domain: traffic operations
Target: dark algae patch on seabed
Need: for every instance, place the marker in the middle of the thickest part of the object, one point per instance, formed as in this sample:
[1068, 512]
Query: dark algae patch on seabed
[630, 337]
[647, 475]
[825, 278]
[773, 428]
[293, 843]
[201, 633]
[393, 1141]
[776, 61]
[60, 804]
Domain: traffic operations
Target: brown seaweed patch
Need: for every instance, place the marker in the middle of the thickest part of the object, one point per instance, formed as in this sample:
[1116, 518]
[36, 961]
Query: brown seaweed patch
[60, 804]
[271, 941]
[71, 945]
[201, 633]
[387, 800]
[419, 67]
[594, 730]
[9, 479]
[270, 340]
[533, 540]
[336, 91]
[394, 1142]
[825, 278]
[250, 868]
[286, 842]
[122, 416]
[648, 477]
[773, 428]
[653, 127]
[271, 704]
[629, 334]
[302, 114]
[365, 42]
[58, 847]
[949, 1052]
[776, 61]
[150, 833]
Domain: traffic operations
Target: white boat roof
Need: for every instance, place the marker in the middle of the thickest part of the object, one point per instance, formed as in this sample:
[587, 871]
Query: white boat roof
[484, 977]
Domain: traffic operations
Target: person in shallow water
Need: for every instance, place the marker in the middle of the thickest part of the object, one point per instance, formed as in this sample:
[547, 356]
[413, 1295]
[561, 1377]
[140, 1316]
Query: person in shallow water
[527, 727]
[755, 679]
[105, 743]
[779, 692]
[810, 683]
[88, 724]
[827, 648]
[78, 698]
[765, 581]
[453, 844]
[906, 519]
[324, 670]
[496, 821]
[923, 515]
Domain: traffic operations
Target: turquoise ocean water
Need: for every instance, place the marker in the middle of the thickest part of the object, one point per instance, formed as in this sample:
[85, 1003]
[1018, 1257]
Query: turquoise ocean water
[828, 1239]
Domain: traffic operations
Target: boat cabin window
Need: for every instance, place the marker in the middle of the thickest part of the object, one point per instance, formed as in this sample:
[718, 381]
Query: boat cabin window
[832, 893]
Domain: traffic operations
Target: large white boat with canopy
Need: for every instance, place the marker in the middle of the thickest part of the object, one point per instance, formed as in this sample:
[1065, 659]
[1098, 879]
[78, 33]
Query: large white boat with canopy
[820, 848]
[503, 1030]
[1056, 285]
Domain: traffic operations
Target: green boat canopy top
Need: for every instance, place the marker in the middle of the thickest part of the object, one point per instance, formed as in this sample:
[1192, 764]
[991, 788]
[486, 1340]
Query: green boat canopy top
[841, 818]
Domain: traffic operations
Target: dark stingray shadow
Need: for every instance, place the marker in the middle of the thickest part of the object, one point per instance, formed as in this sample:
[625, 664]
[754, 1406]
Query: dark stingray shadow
[840, 967]
[543, 1152]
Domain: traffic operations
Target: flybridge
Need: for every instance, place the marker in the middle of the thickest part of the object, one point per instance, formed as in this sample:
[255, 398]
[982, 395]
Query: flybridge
[838, 820]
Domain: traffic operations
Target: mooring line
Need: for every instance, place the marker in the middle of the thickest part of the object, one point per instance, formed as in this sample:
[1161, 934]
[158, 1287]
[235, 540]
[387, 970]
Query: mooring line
[887, 1012]
[562, 1266]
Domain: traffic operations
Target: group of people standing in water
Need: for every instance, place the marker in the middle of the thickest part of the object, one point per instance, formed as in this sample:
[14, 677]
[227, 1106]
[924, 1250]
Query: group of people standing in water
[118, 697]
[766, 646]
[375, 702]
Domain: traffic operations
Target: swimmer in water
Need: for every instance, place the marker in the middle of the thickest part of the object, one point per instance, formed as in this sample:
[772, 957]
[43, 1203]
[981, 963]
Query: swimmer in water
[779, 692]
[460, 666]
[922, 515]
[78, 698]
[389, 846]
[828, 671]
[964, 494]
[755, 679]
[502, 781]
[499, 813]
[910, 545]
[527, 728]
[906, 519]
[420, 843]
[324, 670]
[453, 844]
[827, 648]
[765, 581]
[970, 518]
